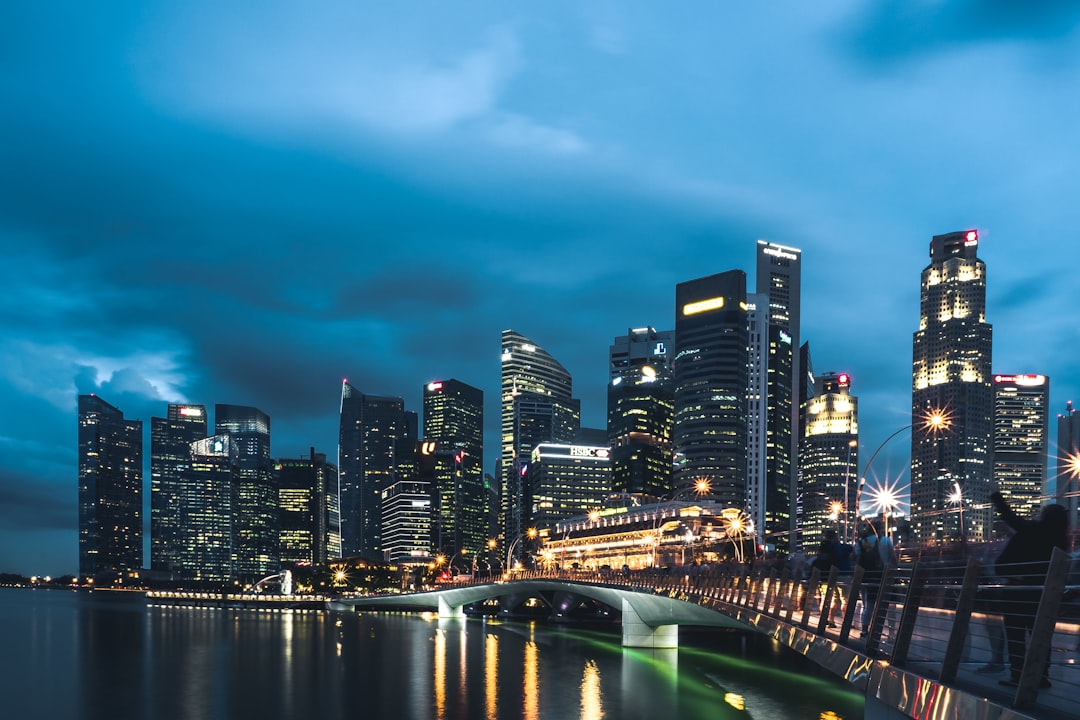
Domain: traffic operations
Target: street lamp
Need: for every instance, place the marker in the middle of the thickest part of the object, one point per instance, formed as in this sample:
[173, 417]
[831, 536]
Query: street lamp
[530, 533]
[701, 486]
[956, 497]
[738, 526]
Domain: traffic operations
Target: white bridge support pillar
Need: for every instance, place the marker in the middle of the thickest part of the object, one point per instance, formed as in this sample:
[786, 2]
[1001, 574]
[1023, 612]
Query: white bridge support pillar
[446, 610]
[636, 633]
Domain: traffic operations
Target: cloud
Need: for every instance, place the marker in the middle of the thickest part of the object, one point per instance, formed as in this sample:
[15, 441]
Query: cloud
[898, 30]
[520, 131]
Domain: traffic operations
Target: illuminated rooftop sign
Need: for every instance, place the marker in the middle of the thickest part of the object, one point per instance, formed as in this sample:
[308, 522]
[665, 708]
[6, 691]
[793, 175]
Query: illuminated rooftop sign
[971, 238]
[1023, 380]
[191, 411]
[843, 379]
[701, 306]
[434, 387]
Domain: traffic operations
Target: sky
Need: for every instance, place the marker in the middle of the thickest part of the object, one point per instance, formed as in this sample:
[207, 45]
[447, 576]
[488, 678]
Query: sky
[248, 202]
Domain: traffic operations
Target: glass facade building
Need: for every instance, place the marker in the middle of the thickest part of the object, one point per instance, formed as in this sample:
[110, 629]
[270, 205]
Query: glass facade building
[309, 524]
[563, 481]
[208, 504]
[1021, 440]
[829, 453]
[711, 369]
[454, 422]
[537, 406]
[640, 411]
[951, 375]
[255, 511]
[376, 448]
[170, 469]
[110, 490]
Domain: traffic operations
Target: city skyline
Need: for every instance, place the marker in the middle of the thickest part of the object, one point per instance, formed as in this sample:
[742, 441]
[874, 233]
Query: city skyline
[218, 228]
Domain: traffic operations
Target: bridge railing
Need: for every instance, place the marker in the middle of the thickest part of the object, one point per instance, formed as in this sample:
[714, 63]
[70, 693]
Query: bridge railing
[943, 617]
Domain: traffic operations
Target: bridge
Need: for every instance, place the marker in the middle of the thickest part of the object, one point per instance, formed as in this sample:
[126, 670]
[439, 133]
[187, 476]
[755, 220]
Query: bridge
[918, 656]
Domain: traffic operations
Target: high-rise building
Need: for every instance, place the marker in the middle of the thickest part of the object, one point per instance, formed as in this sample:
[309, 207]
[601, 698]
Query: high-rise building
[757, 409]
[255, 511]
[110, 490]
[563, 481]
[829, 462]
[376, 448]
[640, 410]
[1067, 470]
[208, 499]
[406, 513]
[1021, 440]
[779, 278]
[309, 524]
[951, 376]
[537, 406]
[454, 421]
[170, 467]
[711, 381]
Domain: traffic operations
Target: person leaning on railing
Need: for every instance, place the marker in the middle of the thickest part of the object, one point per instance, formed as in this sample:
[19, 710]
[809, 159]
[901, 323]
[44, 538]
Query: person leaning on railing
[1022, 565]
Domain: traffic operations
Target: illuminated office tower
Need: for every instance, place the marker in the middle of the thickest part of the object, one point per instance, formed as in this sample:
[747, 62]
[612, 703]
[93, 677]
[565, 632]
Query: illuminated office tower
[376, 448]
[406, 515]
[564, 481]
[207, 505]
[951, 356]
[170, 465]
[454, 421]
[255, 514]
[779, 278]
[1021, 439]
[110, 490]
[309, 525]
[757, 397]
[640, 409]
[537, 406]
[829, 455]
[1067, 470]
[711, 381]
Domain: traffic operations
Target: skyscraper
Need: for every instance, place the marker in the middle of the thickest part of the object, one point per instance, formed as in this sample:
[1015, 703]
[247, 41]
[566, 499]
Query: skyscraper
[757, 409]
[255, 511]
[537, 406]
[711, 381]
[779, 278]
[951, 375]
[170, 466]
[309, 525]
[641, 406]
[206, 551]
[376, 448]
[564, 481]
[830, 459]
[110, 490]
[1067, 471]
[1021, 438]
[454, 421]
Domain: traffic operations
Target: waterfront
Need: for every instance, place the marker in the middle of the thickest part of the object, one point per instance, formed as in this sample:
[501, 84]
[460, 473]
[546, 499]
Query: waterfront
[108, 655]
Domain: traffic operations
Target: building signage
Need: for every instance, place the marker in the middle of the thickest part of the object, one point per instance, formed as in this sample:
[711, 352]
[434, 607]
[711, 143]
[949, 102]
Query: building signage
[1025, 380]
[714, 303]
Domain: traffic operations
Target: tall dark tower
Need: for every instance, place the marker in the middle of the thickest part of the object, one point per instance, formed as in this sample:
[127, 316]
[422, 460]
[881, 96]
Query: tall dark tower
[711, 379]
[376, 448]
[1021, 439]
[537, 406]
[454, 420]
[207, 507]
[170, 466]
[779, 279]
[641, 406]
[1067, 470]
[309, 526]
[951, 375]
[254, 507]
[110, 489]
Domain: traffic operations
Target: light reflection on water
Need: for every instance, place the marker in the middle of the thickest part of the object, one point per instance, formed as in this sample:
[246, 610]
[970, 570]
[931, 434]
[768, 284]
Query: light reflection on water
[96, 656]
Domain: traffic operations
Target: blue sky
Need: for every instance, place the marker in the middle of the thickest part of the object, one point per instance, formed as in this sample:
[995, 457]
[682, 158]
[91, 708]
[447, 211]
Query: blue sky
[247, 203]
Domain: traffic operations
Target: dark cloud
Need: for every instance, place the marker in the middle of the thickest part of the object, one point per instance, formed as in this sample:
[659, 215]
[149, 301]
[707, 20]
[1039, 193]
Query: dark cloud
[29, 503]
[896, 30]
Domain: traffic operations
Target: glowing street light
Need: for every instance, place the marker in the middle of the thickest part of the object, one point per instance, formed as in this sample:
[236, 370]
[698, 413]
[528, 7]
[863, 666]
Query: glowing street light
[531, 533]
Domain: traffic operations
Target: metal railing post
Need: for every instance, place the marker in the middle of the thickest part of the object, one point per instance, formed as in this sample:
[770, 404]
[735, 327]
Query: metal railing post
[961, 621]
[827, 603]
[877, 616]
[1042, 630]
[808, 596]
[852, 601]
[908, 615]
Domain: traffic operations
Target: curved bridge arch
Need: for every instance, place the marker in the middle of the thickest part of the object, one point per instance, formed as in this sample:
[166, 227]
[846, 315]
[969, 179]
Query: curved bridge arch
[648, 619]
